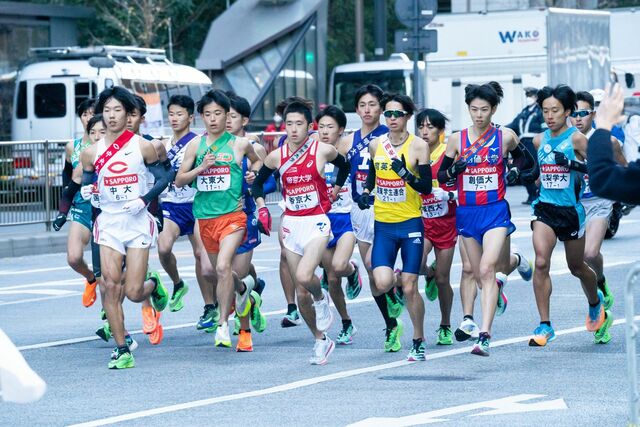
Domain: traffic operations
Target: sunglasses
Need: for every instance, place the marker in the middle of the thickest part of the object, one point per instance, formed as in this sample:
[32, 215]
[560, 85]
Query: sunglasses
[581, 113]
[395, 113]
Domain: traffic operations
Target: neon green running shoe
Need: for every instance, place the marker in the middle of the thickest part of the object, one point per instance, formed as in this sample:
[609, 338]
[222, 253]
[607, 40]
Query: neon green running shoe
[236, 325]
[392, 341]
[394, 304]
[122, 360]
[104, 332]
[258, 321]
[608, 295]
[430, 287]
[209, 319]
[103, 314]
[602, 335]
[176, 303]
[445, 336]
[160, 296]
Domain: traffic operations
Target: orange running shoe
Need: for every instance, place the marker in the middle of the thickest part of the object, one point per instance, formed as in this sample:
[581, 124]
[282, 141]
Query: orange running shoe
[150, 320]
[156, 336]
[89, 295]
[245, 344]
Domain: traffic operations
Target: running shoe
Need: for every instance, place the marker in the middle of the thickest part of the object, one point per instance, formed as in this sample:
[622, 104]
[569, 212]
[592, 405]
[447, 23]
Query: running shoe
[159, 296]
[258, 320]
[501, 304]
[525, 268]
[542, 335]
[445, 336]
[103, 314]
[324, 280]
[131, 343]
[245, 344]
[467, 330]
[176, 303]
[608, 295]
[104, 332]
[89, 294]
[259, 286]
[291, 319]
[416, 354]
[602, 335]
[392, 340]
[595, 318]
[236, 325]
[321, 351]
[222, 338]
[155, 337]
[394, 303]
[481, 347]
[430, 287]
[243, 304]
[354, 281]
[150, 319]
[345, 337]
[324, 314]
[123, 360]
[209, 319]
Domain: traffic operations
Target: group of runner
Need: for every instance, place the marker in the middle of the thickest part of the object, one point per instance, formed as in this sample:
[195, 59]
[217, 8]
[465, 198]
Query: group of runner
[382, 187]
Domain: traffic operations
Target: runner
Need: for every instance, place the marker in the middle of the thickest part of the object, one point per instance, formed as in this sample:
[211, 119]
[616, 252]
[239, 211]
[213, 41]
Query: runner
[483, 218]
[305, 226]
[124, 227]
[558, 213]
[81, 226]
[336, 260]
[400, 172]
[214, 166]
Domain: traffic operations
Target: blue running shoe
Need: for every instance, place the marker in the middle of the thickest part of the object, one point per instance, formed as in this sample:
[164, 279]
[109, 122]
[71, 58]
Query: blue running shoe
[525, 268]
[595, 318]
[542, 335]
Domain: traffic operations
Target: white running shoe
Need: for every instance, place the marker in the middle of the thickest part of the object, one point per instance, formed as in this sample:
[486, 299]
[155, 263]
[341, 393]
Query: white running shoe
[468, 330]
[525, 268]
[222, 336]
[321, 351]
[242, 300]
[324, 314]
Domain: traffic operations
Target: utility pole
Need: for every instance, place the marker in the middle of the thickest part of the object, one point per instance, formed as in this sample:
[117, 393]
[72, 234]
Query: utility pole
[359, 31]
[380, 29]
[170, 41]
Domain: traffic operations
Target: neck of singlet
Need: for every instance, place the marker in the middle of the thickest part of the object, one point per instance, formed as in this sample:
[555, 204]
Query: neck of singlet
[107, 137]
[364, 130]
[178, 136]
[559, 136]
[392, 138]
[560, 132]
[474, 133]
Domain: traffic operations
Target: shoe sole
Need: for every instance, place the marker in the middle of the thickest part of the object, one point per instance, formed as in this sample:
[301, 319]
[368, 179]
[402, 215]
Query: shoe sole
[286, 323]
[244, 350]
[479, 352]
[444, 343]
[324, 361]
[594, 326]
[223, 344]
[500, 309]
[462, 335]
[92, 294]
[416, 359]
[155, 338]
[178, 304]
[540, 341]
[331, 316]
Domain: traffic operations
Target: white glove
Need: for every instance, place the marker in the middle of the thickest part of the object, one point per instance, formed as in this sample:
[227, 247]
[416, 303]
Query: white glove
[134, 207]
[85, 191]
[439, 194]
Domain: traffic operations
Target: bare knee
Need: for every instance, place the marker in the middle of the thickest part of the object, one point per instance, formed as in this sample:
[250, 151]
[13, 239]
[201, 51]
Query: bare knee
[304, 277]
[442, 279]
[591, 255]
[223, 269]
[409, 285]
[577, 269]
[135, 295]
[486, 272]
[542, 265]
[340, 268]
[74, 260]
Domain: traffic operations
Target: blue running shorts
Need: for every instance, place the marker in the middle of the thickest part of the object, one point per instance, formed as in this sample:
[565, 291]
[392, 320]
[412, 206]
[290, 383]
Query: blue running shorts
[253, 237]
[406, 237]
[340, 224]
[475, 221]
[181, 214]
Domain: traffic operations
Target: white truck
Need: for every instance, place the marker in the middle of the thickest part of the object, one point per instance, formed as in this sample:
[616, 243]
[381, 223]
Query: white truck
[520, 48]
[625, 50]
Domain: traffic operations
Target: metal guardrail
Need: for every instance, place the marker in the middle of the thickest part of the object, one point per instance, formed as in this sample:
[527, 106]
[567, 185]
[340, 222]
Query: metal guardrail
[631, 336]
[31, 179]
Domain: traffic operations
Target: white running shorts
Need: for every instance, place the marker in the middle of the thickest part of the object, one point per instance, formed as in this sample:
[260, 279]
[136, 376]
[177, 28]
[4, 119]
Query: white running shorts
[122, 231]
[298, 231]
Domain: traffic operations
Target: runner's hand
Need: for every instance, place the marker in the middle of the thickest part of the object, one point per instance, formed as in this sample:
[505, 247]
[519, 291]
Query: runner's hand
[59, 221]
[561, 159]
[363, 201]
[85, 191]
[513, 176]
[264, 221]
[439, 194]
[457, 168]
[249, 177]
[399, 166]
[134, 207]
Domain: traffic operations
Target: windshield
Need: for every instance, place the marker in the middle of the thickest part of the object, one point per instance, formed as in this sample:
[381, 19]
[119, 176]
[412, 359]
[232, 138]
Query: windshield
[346, 85]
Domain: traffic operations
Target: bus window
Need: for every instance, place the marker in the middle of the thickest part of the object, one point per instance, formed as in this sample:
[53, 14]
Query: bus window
[21, 109]
[346, 84]
[50, 100]
[83, 91]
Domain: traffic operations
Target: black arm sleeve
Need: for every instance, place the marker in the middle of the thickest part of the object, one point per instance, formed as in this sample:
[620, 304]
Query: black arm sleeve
[343, 169]
[66, 199]
[257, 188]
[442, 172]
[606, 177]
[67, 172]
[370, 183]
[87, 177]
[578, 166]
[422, 184]
[522, 158]
[163, 175]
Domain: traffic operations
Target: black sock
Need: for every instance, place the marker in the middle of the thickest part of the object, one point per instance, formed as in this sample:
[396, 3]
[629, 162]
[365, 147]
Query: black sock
[291, 308]
[467, 316]
[123, 349]
[546, 322]
[381, 301]
[594, 305]
[210, 306]
[445, 326]
[91, 282]
[519, 258]
[247, 330]
[178, 285]
[417, 341]
[345, 324]
[153, 279]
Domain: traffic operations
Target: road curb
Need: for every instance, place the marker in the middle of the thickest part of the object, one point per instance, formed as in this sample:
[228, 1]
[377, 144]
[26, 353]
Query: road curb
[45, 243]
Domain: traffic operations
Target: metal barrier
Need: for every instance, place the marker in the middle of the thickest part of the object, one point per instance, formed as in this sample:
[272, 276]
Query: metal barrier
[631, 336]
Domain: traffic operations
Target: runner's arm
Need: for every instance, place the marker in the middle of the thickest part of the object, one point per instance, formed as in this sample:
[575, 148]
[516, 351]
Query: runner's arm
[257, 189]
[163, 174]
[525, 162]
[343, 169]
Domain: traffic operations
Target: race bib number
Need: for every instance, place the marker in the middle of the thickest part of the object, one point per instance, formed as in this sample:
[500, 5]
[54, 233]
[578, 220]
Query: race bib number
[484, 178]
[301, 198]
[216, 178]
[432, 208]
[361, 179]
[391, 190]
[121, 188]
[554, 177]
[342, 200]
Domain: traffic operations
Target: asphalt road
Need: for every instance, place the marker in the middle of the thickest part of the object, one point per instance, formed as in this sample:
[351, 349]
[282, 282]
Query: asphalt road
[188, 381]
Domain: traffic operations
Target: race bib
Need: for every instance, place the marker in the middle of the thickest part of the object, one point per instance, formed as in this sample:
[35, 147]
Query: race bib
[391, 190]
[587, 190]
[301, 198]
[433, 208]
[554, 177]
[121, 188]
[482, 178]
[216, 178]
[342, 200]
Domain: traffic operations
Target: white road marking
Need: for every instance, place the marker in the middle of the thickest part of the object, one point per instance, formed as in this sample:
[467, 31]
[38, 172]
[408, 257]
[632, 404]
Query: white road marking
[34, 270]
[37, 292]
[310, 381]
[22, 301]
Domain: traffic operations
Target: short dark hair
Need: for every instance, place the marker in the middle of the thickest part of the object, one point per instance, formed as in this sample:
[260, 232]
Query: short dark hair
[371, 89]
[562, 93]
[98, 118]
[491, 92]
[298, 107]
[120, 94]
[335, 113]
[240, 104]
[436, 118]
[586, 97]
[142, 104]
[214, 96]
[406, 101]
[183, 101]
[282, 105]
[87, 104]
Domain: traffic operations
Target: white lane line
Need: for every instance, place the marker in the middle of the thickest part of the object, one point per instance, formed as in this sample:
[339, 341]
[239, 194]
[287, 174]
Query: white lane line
[37, 292]
[67, 282]
[22, 301]
[35, 270]
[310, 381]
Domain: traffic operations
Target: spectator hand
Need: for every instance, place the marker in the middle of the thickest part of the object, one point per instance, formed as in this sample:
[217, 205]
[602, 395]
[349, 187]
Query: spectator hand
[610, 110]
